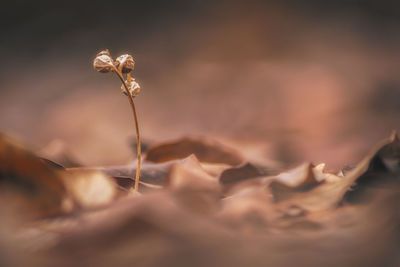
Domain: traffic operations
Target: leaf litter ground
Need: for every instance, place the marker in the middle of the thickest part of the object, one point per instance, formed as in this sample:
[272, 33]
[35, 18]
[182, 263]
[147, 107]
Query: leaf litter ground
[200, 203]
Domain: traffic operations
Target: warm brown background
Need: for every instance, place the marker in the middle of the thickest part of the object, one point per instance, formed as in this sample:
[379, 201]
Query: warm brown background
[287, 80]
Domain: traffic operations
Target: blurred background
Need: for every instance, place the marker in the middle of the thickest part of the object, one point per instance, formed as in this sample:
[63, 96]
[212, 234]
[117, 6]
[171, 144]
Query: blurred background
[287, 81]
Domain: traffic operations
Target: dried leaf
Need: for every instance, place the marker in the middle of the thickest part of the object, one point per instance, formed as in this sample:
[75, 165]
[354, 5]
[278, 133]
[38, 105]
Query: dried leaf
[214, 169]
[193, 186]
[35, 187]
[126, 184]
[189, 175]
[242, 172]
[150, 173]
[321, 175]
[300, 179]
[141, 230]
[90, 188]
[380, 169]
[57, 152]
[205, 150]
[248, 206]
[372, 171]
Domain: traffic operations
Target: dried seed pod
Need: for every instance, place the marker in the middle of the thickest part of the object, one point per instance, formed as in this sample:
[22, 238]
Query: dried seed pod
[133, 87]
[126, 61]
[104, 52]
[103, 62]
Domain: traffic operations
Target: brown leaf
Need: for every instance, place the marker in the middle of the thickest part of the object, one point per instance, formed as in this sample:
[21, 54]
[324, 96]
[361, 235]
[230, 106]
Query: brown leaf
[28, 184]
[57, 152]
[214, 169]
[193, 186]
[189, 175]
[90, 188]
[204, 149]
[321, 175]
[141, 230]
[380, 169]
[126, 184]
[325, 196]
[300, 179]
[152, 176]
[377, 169]
[250, 206]
[242, 172]
[39, 187]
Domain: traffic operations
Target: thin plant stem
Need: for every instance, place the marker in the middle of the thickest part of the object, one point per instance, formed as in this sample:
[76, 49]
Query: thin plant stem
[139, 150]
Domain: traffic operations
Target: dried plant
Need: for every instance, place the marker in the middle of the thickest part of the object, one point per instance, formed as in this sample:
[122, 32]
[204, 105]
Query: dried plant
[124, 64]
